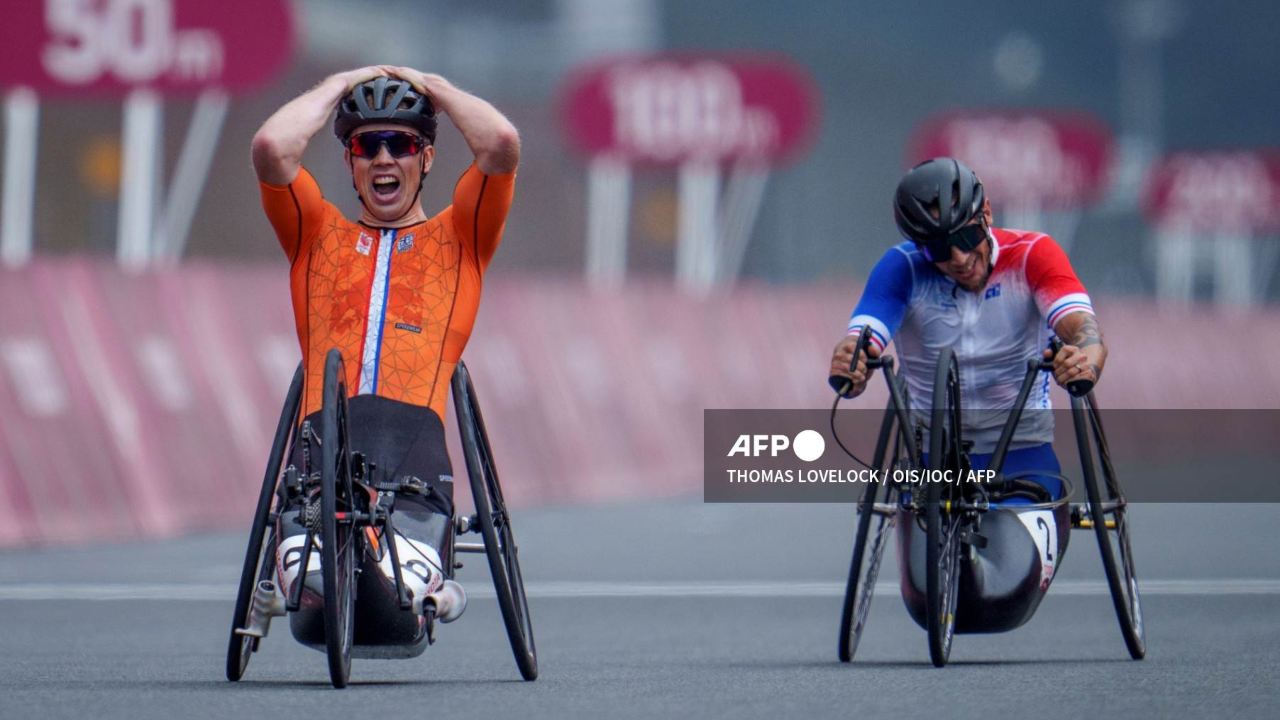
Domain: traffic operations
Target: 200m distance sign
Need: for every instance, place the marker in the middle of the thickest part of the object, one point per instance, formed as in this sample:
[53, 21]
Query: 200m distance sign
[1216, 192]
[108, 47]
[670, 109]
[1055, 159]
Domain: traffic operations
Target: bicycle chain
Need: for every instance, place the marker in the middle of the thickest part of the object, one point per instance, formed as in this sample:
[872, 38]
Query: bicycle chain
[311, 516]
[311, 513]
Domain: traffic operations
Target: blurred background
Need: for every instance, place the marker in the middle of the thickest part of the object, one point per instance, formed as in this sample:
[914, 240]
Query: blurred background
[1161, 75]
[703, 189]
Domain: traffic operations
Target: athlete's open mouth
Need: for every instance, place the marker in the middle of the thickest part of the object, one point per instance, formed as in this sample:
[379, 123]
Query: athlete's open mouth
[385, 187]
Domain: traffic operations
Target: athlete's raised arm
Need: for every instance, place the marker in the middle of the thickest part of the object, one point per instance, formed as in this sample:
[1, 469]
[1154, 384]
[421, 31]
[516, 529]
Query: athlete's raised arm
[492, 138]
[280, 142]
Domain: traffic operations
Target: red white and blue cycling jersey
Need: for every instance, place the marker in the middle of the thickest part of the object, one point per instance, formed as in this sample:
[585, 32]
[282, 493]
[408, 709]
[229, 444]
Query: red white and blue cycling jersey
[993, 331]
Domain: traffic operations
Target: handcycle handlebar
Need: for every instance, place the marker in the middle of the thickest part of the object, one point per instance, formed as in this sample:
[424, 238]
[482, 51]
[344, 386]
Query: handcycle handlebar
[842, 385]
[897, 400]
[1077, 388]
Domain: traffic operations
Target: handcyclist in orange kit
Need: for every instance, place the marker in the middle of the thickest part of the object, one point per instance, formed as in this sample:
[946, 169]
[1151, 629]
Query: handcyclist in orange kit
[395, 291]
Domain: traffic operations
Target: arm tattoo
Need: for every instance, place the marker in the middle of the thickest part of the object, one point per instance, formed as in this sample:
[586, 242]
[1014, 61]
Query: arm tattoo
[1087, 334]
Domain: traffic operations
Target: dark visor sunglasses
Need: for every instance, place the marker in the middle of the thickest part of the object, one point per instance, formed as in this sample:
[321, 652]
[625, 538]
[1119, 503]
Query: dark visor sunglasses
[966, 239]
[399, 144]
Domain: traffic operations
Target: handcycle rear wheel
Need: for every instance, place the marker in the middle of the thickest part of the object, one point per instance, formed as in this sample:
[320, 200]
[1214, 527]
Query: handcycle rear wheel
[259, 555]
[337, 523]
[865, 566]
[495, 525]
[942, 536]
[1110, 515]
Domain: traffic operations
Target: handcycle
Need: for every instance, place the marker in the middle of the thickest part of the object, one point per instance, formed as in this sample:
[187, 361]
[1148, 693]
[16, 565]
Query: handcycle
[362, 613]
[971, 562]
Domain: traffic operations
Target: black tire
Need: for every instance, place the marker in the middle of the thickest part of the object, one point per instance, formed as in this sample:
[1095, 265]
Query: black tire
[865, 566]
[942, 550]
[495, 525]
[1117, 554]
[258, 556]
[337, 527]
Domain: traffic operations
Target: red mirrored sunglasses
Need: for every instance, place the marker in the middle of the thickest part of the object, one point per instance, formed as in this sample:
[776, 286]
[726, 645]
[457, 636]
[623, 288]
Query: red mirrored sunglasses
[399, 144]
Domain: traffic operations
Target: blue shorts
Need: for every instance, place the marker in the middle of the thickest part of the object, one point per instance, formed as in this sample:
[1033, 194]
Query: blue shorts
[1026, 464]
[1037, 463]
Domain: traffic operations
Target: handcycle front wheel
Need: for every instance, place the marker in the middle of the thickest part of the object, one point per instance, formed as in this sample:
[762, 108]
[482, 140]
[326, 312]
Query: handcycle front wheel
[495, 525]
[942, 536]
[259, 555]
[337, 523]
[1109, 515]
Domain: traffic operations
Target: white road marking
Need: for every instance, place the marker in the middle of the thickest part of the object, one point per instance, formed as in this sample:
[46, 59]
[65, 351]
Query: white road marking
[480, 588]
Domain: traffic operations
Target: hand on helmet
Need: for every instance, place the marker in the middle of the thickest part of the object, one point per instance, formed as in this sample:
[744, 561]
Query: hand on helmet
[354, 77]
[422, 82]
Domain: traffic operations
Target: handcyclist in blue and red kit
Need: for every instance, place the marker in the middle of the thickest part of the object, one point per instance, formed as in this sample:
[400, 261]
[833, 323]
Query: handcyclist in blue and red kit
[992, 294]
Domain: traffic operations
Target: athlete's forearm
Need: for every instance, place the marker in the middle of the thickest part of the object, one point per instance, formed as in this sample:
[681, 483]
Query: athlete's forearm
[1081, 330]
[492, 138]
[279, 144]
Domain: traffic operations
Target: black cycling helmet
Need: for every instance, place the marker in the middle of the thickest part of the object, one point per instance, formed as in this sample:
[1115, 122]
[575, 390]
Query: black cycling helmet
[945, 184]
[385, 100]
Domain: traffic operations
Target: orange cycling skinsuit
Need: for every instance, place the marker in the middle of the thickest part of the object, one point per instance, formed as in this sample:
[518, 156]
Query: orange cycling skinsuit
[396, 294]
[398, 303]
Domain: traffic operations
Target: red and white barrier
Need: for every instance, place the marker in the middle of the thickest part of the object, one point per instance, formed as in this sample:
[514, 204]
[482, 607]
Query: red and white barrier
[142, 405]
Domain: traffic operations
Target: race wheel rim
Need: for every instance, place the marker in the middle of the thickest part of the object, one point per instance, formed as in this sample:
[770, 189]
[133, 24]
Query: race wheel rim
[509, 566]
[510, 555]
[883, 528]
[337, 524]
[950, 579]
[500, 547]
[1113, 543]
[1130, 575]
[259, 554]
[942, 538]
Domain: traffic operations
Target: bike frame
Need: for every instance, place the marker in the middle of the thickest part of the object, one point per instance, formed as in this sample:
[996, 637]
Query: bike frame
[898, 408]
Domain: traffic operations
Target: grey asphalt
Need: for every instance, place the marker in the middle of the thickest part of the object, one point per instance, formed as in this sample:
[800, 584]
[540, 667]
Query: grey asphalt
[670, 609]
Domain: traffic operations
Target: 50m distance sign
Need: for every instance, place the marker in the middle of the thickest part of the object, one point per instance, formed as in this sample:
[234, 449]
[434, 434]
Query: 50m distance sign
[109, 47]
